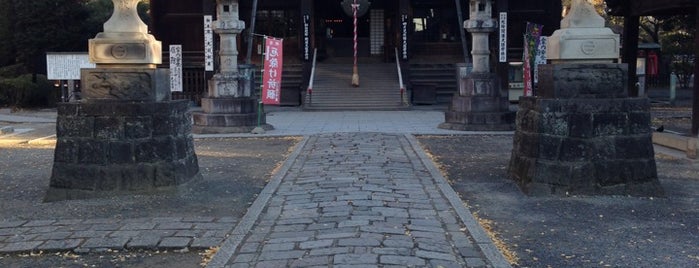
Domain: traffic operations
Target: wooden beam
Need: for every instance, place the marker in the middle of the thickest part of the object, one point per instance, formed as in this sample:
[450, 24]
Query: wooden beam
[655, 7]
[695, 100]
[630, 51]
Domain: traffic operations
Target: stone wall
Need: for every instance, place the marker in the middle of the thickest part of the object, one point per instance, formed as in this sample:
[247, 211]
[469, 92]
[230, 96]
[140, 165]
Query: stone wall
[114, 146]
[584, 146]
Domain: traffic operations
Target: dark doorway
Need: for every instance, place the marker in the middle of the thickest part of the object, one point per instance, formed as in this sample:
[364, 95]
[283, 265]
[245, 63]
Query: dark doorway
[335, 31]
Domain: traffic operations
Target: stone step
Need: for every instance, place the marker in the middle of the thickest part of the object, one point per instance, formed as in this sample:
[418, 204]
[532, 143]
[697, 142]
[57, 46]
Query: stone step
[379, 88]
[443, 76]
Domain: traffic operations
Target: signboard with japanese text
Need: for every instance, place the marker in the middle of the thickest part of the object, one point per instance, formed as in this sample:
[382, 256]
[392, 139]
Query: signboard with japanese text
[306, 37]
[66, 66]
[208, 44]
[503, 37]
[176, 68]
[404, 36]
[272, 77]
[540, 57]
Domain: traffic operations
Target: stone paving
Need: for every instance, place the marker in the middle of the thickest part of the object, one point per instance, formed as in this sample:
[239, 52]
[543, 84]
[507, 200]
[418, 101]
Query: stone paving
[96, 235]
[358, 200]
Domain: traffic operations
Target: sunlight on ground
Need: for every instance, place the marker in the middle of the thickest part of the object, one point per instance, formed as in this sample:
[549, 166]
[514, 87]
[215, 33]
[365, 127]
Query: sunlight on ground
[207, 255]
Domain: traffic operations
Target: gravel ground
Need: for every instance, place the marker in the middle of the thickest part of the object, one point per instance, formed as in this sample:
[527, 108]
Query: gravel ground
[578, 231]
[234, 171]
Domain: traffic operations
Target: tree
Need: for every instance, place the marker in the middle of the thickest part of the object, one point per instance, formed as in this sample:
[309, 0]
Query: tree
[7, 50]
[44, 26]
[677, 40]
[29, 29]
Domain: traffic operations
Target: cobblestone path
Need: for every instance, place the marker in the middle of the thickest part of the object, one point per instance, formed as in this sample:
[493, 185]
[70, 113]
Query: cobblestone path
[358, 200]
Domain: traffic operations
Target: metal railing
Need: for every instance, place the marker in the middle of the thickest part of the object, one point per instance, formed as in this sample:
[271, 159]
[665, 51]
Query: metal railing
[403, 98]
[309, 90]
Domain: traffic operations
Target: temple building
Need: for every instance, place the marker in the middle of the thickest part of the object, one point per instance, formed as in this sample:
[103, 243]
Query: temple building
[423, 39]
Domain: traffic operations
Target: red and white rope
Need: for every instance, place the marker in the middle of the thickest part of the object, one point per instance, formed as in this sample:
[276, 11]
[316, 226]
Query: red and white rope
[354, 10]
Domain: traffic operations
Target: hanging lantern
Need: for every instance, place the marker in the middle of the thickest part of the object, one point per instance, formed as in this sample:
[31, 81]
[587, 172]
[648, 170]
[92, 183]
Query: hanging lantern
[361, 10]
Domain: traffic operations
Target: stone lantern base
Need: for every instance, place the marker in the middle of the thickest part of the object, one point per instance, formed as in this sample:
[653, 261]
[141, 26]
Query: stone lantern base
[229, 107]
[228, 115]
[479, 106]
[108, 148]
[125, 137]
[583, 136]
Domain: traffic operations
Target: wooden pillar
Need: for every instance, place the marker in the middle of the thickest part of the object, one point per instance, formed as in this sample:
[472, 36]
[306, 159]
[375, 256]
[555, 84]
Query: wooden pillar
[695, 98]
[307, 30]
[630, 50]
[307, 37]
[208, 7]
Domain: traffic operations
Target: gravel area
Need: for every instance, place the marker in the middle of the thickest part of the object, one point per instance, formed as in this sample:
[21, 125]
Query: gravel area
[577, 231]
[234, 170]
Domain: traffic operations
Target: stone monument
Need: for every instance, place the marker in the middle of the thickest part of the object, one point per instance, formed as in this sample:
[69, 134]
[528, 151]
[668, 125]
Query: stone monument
[126, 135]
[480, 104]
[582, 134]
[229, 106]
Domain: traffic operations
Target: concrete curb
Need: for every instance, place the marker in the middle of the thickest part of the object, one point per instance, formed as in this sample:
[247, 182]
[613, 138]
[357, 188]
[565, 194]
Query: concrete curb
[25, 119]
[688, 145]
[483, 241]
[231, 243]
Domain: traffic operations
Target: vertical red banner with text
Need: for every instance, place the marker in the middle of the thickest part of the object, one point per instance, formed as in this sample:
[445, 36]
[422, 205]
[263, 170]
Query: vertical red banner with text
[527, 71]
[272, 77]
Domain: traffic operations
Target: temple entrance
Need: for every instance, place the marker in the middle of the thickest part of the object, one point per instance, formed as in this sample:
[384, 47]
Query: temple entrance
[335, 30]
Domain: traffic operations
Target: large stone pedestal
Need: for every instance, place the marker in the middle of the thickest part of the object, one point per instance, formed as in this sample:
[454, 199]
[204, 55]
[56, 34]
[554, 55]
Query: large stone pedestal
[479, 106]
[115, 147]
[583, 136]
[125, 136]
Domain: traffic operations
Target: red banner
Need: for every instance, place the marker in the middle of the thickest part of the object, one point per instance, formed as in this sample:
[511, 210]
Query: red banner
[527, 71]
[272, 77]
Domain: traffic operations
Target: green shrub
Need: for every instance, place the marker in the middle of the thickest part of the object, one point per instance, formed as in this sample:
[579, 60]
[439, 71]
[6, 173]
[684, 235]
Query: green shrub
[12, 71]
[22, 92]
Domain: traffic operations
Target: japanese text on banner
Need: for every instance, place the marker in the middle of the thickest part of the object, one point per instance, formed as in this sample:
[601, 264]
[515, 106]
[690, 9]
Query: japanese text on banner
[176, 68]
[272, 78]
[208, 43]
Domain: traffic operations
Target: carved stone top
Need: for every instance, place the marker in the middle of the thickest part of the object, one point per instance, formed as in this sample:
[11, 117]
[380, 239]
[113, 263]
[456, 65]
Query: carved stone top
[583, 38]
[125, 18]
[480, 19]
[125, 41]
[227, 18]
[582, 15]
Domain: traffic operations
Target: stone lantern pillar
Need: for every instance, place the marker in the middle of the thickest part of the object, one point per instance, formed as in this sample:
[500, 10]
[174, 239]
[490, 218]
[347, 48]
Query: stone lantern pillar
[126, 135]
[229, 106]
[481, 104]
[582, 134]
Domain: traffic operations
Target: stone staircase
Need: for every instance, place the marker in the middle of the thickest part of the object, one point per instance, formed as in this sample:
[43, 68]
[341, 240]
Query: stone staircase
[379, 88]
[292, 79]
[441, 75]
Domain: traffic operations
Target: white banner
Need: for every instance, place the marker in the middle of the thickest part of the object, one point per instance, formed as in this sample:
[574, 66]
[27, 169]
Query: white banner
[66, 66]
[208, 44]
[176, 68]
[503, 37]
[540, 57]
